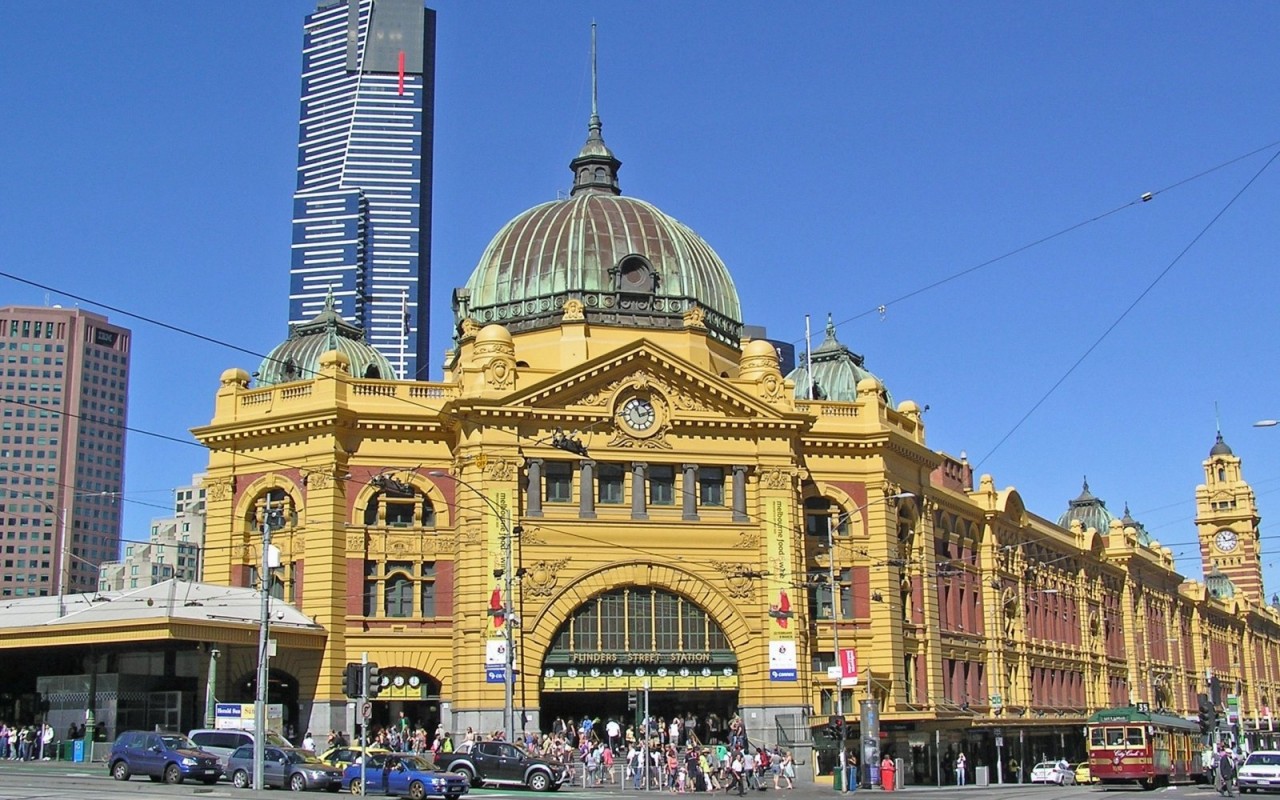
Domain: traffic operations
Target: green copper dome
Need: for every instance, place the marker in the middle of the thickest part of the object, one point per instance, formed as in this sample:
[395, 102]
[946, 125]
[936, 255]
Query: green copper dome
[836, 371]
[1089, 510]
[627, 262]
[298, 357]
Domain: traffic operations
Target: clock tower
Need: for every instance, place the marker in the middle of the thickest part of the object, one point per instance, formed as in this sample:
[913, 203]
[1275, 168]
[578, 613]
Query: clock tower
[1227, 523]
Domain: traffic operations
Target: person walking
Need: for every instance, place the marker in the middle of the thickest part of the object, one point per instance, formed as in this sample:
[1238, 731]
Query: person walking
[1226, 772]
[960, 764]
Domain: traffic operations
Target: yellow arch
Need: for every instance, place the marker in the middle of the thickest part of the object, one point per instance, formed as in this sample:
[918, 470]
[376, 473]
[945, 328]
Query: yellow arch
[265, 483]
[444, 514]
[722, 610]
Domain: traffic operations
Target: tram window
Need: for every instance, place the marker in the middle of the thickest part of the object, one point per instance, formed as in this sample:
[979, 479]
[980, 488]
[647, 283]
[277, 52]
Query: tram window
[1133, 736]
[1115, 737]
[1096, 738]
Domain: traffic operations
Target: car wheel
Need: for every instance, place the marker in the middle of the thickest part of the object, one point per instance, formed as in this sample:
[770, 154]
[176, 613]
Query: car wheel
[466, 776]
[417, 791]
[172, 774]
[240, 780]
[539, 781]
[120, 771]
[297, 782]
[356, 788]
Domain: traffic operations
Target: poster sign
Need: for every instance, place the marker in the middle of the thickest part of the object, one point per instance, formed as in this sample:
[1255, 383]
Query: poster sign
[782, 660]
[495, 661]
[848, 665]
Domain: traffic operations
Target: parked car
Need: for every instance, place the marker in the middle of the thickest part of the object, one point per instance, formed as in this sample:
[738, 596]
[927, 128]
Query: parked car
[403, 775]
[1260, 772]
[284, 767]
[1083, 773]
[168, 757]
[348, 754]
[223, 743]
[504, 764]
[1053, 772]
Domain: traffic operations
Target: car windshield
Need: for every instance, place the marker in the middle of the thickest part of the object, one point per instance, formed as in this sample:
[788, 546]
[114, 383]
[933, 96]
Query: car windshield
[413, 762]
[1263, 760]
[302, 757]
[277, 740]
[178, 743]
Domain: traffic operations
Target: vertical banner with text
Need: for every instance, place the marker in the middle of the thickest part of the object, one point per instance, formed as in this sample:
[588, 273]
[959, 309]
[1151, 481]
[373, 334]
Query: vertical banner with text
[779, 583]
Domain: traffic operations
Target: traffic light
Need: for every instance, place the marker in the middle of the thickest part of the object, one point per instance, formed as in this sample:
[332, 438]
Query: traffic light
[352, 680]
[1207, 713]
[835, 727]
[372, 681]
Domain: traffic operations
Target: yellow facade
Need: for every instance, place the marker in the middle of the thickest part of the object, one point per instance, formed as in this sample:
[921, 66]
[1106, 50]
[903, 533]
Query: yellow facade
[968, 613]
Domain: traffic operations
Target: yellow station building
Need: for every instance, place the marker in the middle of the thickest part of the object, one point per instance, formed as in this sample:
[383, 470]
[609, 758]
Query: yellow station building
[615, 491]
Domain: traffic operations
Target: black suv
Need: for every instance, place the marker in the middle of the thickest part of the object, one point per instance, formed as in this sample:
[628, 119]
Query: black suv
[168, 757]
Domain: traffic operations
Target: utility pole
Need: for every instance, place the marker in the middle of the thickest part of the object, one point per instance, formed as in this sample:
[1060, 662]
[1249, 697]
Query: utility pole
[271, 519]
[508, 624]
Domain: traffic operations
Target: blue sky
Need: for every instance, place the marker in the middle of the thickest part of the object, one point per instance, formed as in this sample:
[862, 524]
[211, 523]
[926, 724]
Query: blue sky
[839, 157]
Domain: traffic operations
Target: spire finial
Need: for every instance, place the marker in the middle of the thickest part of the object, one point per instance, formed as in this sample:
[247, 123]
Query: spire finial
[831, 327]
[595, 115]
[595, 169]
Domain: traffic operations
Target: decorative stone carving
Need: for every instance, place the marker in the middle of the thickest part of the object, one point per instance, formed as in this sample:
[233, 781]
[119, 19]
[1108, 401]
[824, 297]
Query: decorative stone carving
[218, 490]
[775, 478]
[658, 441]
[531, 536]
[747, 541]
[317, 480]
[470, 327]
[401, 547]
[645, 380]
[573, 310]
[470, 535]
[695, 317]
[771, 387]
[739, 579]
[501, 469]
[355, 541]
[540, 578]
[436, 544]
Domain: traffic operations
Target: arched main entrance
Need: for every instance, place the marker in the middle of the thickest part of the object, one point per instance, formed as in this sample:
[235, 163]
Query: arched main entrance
[282, 689]
[622, 642]
[409, 699]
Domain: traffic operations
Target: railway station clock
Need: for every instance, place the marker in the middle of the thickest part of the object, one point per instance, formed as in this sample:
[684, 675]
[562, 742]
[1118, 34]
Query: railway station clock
[1226, 540]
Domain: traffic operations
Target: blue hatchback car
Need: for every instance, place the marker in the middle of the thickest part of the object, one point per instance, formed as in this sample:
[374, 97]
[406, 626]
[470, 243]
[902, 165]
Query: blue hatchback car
[403, 775]
[168, 757]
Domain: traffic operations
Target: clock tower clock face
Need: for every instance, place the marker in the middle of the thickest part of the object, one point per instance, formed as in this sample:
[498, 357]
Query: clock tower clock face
[1226, 540]
[638, 414]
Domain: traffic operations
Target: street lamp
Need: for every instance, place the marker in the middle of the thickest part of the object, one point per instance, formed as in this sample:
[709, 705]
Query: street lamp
[835, 627]
[272, 520]
[508, 622]
[1266, 423]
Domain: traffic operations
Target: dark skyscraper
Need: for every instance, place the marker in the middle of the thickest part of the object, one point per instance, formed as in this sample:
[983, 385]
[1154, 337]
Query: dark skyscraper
[362, 209]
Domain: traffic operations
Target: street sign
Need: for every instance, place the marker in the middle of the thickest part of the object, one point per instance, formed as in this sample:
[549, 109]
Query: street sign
[999, 741]
[366, 710]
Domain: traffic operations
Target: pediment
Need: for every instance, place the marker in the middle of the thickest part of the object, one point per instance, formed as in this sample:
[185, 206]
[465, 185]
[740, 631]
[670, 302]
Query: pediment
[680, 391]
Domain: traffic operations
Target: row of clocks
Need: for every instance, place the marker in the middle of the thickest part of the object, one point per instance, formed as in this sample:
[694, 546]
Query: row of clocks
[640, 672]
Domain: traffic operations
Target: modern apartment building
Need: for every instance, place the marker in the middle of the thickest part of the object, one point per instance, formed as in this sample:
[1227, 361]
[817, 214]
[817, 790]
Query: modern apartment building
[63, 410]
[362, 209]
[175, 548]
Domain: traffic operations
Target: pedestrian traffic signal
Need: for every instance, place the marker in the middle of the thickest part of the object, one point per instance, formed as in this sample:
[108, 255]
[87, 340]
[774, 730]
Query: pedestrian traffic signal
[1207, 713]
[373, 681]
[352, 680]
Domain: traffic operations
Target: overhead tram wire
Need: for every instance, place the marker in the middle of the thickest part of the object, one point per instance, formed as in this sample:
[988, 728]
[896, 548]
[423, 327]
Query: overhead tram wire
[1125, 313]
[1140, 200]
[247, 351]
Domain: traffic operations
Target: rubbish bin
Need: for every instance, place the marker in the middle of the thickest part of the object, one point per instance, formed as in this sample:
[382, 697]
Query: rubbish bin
[888, 775]
[982, 776]
[77, 751]
[837, 779]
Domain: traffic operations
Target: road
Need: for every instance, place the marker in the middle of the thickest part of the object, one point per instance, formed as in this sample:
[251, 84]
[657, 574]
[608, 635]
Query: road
[45, 781]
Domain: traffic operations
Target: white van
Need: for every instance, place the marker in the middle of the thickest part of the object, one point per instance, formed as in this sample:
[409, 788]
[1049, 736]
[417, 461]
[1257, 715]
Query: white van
[223, 743]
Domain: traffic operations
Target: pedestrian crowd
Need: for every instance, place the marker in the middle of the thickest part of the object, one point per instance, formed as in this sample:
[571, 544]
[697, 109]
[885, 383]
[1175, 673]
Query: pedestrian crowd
[27, 743]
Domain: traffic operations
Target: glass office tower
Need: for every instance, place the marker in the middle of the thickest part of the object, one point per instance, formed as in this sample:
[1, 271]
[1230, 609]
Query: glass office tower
[362, 209]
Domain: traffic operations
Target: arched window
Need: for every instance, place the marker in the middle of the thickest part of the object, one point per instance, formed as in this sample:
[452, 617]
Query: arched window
[819, 512]
[384, 509]
[640, 620]
[398, 596]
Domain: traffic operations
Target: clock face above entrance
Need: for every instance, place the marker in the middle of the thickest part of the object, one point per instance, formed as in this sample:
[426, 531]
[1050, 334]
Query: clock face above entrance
[639, 414]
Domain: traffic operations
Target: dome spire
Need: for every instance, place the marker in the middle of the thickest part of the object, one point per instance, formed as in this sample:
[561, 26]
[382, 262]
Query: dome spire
[595, 169]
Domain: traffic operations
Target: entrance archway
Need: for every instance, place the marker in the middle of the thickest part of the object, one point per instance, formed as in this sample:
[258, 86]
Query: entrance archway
[409, 699]
[628, 645]
[282, 688]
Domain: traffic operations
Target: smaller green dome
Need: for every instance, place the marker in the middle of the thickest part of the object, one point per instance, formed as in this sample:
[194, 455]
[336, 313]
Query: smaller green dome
[1090, 511]
[298, 357]
[837, 371]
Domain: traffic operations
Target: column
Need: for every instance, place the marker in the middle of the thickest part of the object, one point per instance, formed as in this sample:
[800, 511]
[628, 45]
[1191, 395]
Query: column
[689, 486]
[740, 494]
[533, 495]
[587, 489]
[638, 508]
